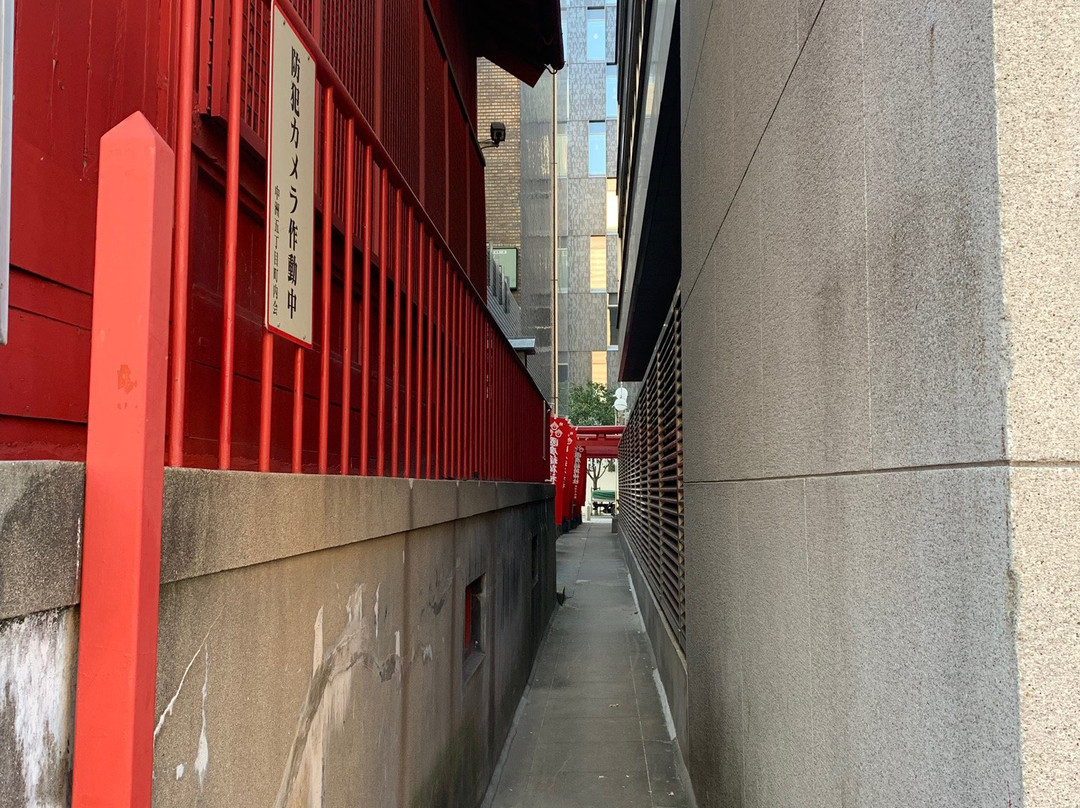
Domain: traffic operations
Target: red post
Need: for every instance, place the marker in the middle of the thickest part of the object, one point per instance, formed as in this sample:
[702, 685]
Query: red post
[365, 319]
[346, 327]
[298, 412]
[232, 235]
[395, 378]
[407, 443]
[182, 228]
[327, 277]
[380, 377]
[117, 667]
[266, 393]
[421, 357]
[444, 406]
[432, 360]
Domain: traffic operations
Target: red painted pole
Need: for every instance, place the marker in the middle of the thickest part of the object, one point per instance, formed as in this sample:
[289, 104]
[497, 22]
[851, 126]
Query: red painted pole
[232, 231]
[346, 324]
[327, 277]
[444, 419]
[459, 374]
[365, 327]
[432, 361]
[455, 424]
[474, 419]
[298, 412]
[266, 394]
[407, 442]
[117, 661]
[422, 359]
[380, 377]
[185, 103]
[395, 392]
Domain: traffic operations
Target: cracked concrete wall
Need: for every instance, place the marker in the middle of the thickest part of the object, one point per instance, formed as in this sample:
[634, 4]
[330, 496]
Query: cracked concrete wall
[881, 353]
[314, 660]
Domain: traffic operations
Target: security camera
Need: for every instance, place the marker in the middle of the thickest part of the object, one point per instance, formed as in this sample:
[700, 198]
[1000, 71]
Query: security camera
[498, 135]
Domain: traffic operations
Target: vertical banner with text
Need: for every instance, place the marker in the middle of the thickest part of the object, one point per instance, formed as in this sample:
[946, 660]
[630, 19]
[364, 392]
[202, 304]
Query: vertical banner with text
[290, 185]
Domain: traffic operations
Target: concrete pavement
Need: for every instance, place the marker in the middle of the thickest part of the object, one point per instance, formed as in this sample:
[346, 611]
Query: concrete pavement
[592, 730]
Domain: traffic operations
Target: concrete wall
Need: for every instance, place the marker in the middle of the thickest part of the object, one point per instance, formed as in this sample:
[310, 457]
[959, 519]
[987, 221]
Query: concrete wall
[311, 659]
[881, 352]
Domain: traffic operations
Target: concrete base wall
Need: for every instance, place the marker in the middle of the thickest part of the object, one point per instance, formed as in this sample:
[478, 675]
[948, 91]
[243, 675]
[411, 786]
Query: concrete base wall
[315, 658]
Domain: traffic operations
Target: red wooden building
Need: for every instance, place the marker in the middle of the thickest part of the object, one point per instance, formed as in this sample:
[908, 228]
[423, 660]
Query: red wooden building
[407, 374]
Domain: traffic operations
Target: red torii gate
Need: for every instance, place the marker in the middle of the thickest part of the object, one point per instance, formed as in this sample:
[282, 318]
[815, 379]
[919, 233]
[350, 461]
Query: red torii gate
[570, 448]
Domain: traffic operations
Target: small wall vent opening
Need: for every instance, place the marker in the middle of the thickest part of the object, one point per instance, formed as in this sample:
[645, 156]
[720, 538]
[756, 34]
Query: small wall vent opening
[474, 626]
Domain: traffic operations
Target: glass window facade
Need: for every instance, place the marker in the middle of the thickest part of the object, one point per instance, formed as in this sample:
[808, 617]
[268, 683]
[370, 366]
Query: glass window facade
[596, 35]
[599, 367]
[597, 149]
[562, 270]
[612, 207]
[598, 263]
[613, 319]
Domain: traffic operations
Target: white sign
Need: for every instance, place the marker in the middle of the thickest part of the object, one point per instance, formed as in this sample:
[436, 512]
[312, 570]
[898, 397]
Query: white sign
[7, 89]
[290, 185]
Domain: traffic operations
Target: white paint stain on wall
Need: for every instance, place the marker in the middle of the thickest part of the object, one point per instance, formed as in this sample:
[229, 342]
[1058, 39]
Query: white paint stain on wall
[37, 665]
[327, 702]
[202, 757]
[202, 749]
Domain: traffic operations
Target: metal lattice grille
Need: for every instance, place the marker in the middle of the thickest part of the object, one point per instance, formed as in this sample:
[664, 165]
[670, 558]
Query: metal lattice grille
[650, 476]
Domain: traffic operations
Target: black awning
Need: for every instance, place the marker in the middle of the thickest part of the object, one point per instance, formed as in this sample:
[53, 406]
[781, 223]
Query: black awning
[523, 37]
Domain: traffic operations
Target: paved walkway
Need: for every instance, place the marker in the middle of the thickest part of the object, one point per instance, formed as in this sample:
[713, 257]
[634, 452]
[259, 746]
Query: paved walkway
[592, 732]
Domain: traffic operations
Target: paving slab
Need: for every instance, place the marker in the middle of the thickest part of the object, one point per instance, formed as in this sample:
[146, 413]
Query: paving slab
[591, 732]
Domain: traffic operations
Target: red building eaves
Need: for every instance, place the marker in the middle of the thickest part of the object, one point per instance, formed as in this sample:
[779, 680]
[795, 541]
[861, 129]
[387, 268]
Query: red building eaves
[523, 37]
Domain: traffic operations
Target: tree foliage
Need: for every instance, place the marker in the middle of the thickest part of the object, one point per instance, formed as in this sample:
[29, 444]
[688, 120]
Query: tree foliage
[591, 405]
[596, 467]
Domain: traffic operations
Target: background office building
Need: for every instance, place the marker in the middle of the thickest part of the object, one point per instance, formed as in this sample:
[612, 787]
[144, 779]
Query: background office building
[586, 149]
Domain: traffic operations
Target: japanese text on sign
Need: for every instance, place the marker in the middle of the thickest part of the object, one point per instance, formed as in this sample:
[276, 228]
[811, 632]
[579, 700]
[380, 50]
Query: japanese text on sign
[290, 192]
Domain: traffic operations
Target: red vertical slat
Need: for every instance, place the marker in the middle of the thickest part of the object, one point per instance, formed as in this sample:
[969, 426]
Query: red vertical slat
[380, 371]
[232, 213]
[407, 441]
[444, 432]
[181, 230]
[298, 412]
[422, 358]
[460, 433]
[346, 326]
[365, 319]
[432, 361]
[395, 393]
[455, 359]
[266, 394]
[327, 276]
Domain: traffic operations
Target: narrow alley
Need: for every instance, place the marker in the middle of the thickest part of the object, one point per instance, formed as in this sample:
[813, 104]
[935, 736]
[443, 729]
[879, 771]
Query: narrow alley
[592, 730]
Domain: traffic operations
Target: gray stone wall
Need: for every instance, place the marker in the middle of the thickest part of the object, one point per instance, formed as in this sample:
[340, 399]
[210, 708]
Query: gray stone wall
[311, 659]
[880, 372]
